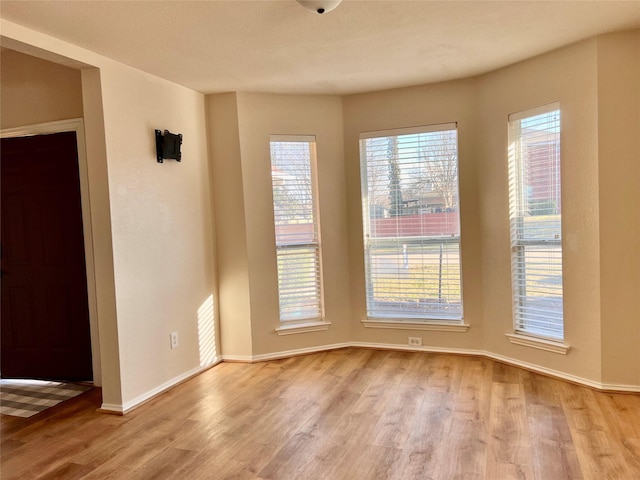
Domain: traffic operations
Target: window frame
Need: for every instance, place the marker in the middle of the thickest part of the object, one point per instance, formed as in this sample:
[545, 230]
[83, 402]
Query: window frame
[425, 321]
[520, 245]
[294, 324]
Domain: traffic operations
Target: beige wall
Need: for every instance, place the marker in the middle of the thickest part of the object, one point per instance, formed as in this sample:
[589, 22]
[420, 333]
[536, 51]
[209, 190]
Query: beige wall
[619, 195]
[248, 253]
[161, 226]
[162, 234]
[595, 82]
[101, 237]
[37, 91]
[231, 231]
[259, 116]
[407, 107]
[157, 220]
[568, 76]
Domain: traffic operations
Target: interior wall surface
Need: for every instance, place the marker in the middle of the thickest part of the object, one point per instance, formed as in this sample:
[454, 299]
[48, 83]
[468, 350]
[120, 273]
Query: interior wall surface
[619, 193]
[102, 239]
[231, 232]
[259, 116]
[161, 226]
[162, 229]
[567, 76]
[160, 221]
[409, 107]
[37, 91]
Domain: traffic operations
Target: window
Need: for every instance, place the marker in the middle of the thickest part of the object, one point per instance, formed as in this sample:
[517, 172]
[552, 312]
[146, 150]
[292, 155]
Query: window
[411, 223]
[535, 214]
[296, 226]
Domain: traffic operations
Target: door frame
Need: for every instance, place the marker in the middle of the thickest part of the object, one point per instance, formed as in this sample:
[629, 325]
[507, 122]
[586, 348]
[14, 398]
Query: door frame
[75, 125]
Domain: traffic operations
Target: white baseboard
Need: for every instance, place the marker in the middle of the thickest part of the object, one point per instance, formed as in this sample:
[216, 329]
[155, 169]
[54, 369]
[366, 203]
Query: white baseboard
[545, 371]
[511, 361]
[424, 348]
[125, 407]
[565, 376]
[284, 354]
[299, 351]
[139, 400]
[112, 408]
[619, 388]
[237, 358]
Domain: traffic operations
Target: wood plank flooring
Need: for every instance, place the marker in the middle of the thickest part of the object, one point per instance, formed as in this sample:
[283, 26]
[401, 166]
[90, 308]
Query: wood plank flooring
[345, 414]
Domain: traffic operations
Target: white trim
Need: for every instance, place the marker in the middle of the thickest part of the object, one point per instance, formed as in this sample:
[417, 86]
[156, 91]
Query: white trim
[425, 349]
[112, 408]
[293, 328]
[508, 360]
[284, 354]
[440, 127]
[532, 112]
[76, 125]
[140, 399]
[299, 351]
[417, 325]
[289, 246]
[547, 371]
[609, 387]
[376, 312]
[539, 343]
[237, 358]
[613, 387]
[69, 125]
[130, 405]
[293, 138]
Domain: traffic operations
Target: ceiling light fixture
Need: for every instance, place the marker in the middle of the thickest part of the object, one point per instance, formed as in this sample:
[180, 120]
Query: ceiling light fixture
[319, 6]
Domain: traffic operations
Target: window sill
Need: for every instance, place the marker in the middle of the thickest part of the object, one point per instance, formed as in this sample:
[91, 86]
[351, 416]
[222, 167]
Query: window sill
[438, 326]
[539, 343]
[293, 328]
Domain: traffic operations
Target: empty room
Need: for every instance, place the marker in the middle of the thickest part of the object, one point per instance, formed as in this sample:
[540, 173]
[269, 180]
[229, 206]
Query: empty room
[320, 239]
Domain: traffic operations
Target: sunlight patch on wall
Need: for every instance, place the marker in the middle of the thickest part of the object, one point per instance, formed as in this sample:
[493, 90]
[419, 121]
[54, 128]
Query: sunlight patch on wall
[207, 333]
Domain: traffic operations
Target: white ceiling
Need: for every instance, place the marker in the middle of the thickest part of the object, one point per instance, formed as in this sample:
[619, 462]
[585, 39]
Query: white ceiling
[277, 46]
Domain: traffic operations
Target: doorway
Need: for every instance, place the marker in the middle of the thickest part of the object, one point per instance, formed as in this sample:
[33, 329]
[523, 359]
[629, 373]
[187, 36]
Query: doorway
[45, 321]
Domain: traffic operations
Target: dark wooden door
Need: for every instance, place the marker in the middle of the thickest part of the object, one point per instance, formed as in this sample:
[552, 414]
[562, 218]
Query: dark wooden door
[45, 314]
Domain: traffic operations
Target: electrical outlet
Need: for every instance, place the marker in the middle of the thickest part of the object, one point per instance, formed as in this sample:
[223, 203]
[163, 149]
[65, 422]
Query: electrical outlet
[174, 339]
[415, 341]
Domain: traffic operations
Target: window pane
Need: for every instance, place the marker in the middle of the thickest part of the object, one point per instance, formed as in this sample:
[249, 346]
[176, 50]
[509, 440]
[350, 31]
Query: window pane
[293, 202]
[296, 229]
[299, 283]
[536, 224]
[411, 227]
[539, 296]
[415, 280]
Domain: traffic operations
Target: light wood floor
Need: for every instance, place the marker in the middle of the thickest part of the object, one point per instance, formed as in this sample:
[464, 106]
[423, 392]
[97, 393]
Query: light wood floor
[346, 414]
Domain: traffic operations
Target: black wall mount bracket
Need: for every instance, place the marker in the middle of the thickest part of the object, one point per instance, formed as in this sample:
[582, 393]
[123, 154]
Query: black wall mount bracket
[168, 146]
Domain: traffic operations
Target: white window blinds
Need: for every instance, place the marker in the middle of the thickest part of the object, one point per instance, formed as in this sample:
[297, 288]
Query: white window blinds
[535, 214]
[296, 227]
[411, 223]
